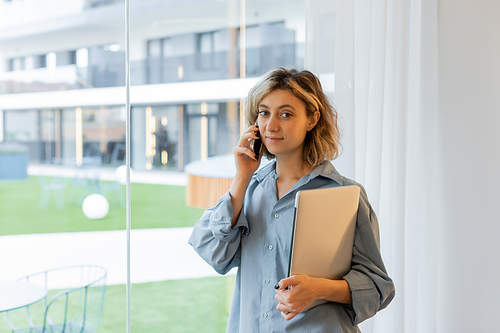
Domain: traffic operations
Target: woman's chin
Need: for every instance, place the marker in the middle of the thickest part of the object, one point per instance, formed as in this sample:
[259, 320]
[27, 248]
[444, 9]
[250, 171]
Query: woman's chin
[274, 151]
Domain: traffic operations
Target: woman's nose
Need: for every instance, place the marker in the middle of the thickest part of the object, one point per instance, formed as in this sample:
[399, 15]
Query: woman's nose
[273, 124]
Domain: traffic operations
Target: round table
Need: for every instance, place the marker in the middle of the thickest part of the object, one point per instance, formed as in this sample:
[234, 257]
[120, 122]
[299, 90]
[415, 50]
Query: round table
[15, 295]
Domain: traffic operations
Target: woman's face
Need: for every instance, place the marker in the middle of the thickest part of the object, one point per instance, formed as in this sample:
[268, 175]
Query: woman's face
[283, 123]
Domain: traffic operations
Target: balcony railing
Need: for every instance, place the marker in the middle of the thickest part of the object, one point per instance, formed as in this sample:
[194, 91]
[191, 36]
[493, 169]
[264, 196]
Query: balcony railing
[198, 67]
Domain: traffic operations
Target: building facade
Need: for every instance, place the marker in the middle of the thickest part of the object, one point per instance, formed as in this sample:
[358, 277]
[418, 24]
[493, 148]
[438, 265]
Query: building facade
[62, 75]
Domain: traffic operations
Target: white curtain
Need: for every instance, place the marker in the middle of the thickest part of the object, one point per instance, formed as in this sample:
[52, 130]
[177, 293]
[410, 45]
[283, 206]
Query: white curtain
[377, 60]
[416, 84]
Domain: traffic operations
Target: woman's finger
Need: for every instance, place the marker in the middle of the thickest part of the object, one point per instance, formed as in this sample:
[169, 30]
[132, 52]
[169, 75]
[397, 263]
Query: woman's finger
[288, 315]
[246, 137]
[288, 282]
[251, 129]
[279, 298]
[240, 151]
[284, 308]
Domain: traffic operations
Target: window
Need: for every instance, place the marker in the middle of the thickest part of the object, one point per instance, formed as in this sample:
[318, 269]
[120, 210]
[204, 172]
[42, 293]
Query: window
[16, 64]
[10, 65]
[190, 57]
[41, 61]
[66, 58]
[72, 57]
[168, 49]
[205, 51]
[155, 61]
[21, 63]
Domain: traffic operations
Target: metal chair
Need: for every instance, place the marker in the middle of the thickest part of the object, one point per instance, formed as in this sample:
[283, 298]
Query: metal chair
[80, 188]
[79, 307]
[86, 179]
[57, 186]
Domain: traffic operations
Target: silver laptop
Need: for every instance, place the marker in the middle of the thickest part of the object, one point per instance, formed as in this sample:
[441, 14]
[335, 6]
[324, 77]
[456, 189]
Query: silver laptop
[323, 233]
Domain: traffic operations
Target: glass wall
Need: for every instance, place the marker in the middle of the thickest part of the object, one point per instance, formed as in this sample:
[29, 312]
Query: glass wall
[157, 138]
[61, 140]
[62, 72]
[24, 127]
[168, 137]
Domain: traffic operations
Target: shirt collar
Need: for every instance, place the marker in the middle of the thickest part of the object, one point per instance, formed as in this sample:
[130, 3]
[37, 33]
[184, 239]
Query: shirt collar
[264, 171]
[325, 169]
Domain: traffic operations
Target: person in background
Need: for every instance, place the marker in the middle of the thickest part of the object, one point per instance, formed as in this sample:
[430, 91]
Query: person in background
[250, 227]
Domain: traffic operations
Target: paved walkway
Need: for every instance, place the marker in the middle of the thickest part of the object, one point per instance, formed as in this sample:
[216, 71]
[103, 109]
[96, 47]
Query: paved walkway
[156, 254]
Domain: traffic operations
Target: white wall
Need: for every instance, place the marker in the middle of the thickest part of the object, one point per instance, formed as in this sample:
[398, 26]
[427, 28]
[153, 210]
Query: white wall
[469, 91]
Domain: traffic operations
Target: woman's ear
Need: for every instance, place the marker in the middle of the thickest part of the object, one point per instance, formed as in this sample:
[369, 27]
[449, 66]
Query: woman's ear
[313, 120]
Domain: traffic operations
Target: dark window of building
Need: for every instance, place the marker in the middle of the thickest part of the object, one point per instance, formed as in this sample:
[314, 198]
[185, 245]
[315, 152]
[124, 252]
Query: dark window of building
[10, 65]
[72, 57]
[106, 66]
[22, 64]
[154, 61]
[41, 61]
[16, 64]
[168, 49]
[64, 58]
[205, 51]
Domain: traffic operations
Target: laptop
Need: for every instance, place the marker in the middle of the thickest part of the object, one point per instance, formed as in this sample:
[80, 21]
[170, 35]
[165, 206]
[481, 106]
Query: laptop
[323, 233]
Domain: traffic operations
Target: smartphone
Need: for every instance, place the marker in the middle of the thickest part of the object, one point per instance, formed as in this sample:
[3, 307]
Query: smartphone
[256, 146]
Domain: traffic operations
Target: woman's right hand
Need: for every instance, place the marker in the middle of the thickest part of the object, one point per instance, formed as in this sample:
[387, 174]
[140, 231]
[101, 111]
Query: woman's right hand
[247, 162]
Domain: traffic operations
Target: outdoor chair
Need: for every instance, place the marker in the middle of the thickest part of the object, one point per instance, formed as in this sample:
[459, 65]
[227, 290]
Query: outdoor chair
[86, 179]
[80, 188]
[55, 186]
[107, 188]
[77, 308]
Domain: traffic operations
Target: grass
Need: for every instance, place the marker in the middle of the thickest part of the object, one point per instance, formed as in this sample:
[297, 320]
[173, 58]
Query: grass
[152, 206]
[192, 305]
[177, 306]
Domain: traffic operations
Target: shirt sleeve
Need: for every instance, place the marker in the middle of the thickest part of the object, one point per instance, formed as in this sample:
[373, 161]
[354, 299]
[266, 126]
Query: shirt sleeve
[214, 239]
[371, 287]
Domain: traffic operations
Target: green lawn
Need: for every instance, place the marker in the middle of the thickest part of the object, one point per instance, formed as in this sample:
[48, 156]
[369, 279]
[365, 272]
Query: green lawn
[193, 305]
[152, 206]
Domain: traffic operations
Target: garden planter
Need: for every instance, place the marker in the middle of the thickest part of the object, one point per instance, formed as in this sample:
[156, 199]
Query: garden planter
[13, 162]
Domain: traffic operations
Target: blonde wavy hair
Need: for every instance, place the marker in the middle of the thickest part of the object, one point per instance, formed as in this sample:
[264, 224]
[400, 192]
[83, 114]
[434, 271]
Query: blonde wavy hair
[323, 141]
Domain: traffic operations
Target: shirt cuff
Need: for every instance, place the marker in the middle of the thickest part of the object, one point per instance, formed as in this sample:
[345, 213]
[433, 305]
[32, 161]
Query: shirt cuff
[365, 296]
[220, 220]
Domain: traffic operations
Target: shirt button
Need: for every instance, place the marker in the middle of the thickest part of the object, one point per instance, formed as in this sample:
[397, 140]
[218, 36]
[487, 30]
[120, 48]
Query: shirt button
[266, 315]
[270, 247]
[267, 281]
[276, 215]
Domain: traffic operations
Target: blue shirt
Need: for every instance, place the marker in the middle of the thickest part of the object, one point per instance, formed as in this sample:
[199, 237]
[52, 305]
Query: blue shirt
[259, 245]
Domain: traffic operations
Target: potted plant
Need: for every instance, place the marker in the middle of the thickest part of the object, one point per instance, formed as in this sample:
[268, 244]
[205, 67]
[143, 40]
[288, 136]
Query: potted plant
[14, 159]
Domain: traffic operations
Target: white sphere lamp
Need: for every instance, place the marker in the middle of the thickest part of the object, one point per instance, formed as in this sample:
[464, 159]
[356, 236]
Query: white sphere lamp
[95, 207]
[121, 174]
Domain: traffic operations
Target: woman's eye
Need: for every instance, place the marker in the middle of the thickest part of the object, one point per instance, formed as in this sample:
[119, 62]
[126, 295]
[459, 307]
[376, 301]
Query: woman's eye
[263, 113]
[286, 115]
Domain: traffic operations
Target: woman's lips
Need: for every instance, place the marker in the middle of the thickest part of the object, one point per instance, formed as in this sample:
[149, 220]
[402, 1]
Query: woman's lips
[273, 139]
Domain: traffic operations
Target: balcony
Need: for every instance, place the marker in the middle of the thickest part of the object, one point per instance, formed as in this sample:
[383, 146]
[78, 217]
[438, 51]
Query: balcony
[189, 68]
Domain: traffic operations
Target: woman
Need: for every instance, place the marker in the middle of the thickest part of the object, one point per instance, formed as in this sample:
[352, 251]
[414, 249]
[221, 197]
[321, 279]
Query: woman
[250, 228]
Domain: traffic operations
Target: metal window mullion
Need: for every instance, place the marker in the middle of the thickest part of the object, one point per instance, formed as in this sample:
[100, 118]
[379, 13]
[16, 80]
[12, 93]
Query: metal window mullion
[127, 148]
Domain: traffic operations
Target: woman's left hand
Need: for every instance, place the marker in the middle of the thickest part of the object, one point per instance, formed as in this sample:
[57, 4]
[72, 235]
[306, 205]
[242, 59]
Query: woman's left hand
[300, 294]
